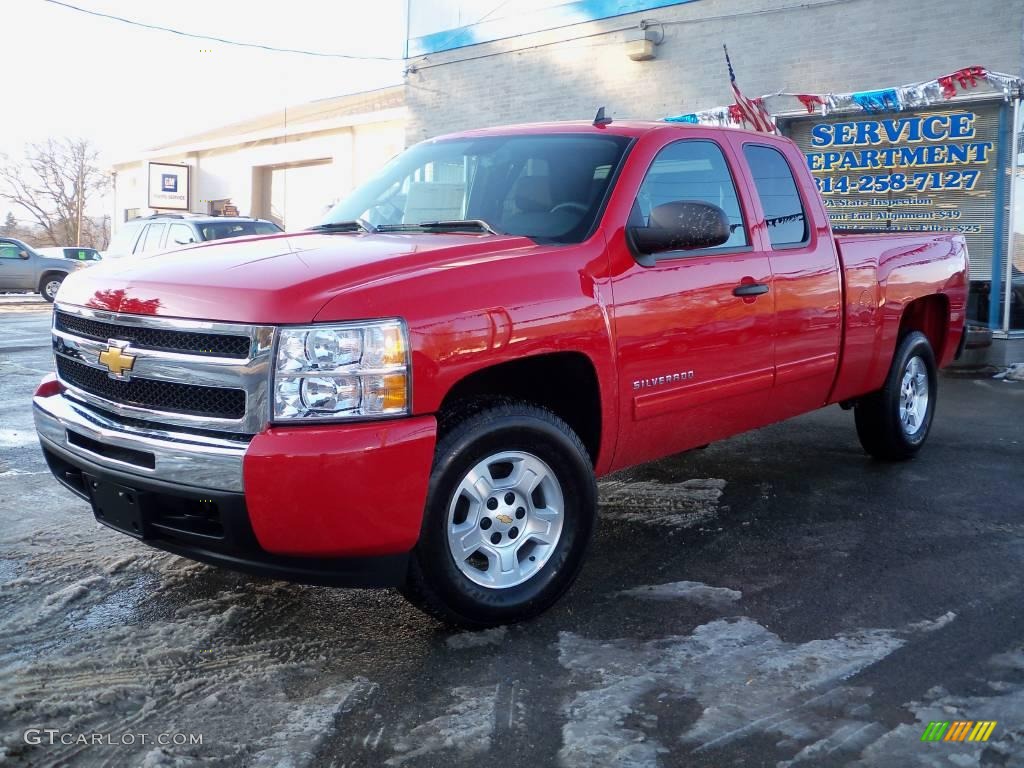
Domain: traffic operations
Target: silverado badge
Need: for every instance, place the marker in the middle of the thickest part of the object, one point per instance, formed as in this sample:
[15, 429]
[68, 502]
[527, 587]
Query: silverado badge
[117, 359]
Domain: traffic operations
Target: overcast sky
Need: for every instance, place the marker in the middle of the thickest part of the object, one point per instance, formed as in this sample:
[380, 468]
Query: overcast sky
[129, 88]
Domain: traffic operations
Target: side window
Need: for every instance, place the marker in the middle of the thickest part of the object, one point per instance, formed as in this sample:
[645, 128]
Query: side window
[123, 242]
[692, 170]
[180, 234]
[9, 251]
[783, 212]
[151, 240]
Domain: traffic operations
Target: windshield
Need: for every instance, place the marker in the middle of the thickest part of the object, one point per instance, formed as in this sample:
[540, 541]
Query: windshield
[545, 187]
[220, 229]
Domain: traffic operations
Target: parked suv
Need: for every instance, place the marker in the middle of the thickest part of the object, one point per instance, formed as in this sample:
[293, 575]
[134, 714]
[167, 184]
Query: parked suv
[168, 231]
[22, 268]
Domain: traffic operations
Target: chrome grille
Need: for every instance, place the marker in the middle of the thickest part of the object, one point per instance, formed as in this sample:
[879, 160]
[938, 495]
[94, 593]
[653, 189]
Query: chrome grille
[154, 395]
[212, 344]
[186, 373]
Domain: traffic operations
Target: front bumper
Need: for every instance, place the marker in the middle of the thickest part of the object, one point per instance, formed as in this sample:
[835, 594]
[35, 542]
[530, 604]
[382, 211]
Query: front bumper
[138, 449]
[334, 504]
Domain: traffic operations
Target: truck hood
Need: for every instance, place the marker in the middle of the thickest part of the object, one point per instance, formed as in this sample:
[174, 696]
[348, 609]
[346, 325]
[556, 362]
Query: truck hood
[284, 278]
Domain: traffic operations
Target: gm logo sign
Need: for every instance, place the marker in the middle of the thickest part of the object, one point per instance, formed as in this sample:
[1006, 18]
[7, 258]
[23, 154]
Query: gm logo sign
[168, 182]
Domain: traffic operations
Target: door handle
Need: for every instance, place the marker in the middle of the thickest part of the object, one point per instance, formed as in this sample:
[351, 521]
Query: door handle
[750, 289]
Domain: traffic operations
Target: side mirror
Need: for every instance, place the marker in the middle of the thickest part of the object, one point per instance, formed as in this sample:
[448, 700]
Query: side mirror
[679, 226]
[23, 255]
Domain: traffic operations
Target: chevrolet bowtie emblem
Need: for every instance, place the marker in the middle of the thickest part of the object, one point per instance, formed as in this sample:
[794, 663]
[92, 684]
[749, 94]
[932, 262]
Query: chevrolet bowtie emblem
[117, 359]
[506, 519]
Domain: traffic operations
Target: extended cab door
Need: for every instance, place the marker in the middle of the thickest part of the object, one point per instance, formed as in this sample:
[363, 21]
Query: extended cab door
[806, 275]
[695, 359]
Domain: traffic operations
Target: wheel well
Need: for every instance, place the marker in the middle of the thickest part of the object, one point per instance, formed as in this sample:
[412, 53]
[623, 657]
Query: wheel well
[48, 274]
[930, 316]
[563, 382]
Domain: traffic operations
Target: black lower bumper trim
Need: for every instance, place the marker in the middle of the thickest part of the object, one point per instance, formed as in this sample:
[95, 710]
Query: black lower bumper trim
[213, 527]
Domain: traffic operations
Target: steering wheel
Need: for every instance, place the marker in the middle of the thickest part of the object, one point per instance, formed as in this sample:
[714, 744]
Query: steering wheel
[576, 206]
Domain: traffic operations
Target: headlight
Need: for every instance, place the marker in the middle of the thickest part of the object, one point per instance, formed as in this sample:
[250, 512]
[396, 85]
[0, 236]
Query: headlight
[342, 371]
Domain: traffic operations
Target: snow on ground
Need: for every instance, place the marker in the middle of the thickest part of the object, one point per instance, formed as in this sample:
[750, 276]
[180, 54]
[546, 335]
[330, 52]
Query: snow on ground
[101, 634]
[672, 505]
[694, 591]
[1014, 372]
[466, 726]
[901, 747]
[463, 640]
[744, 679]
[14, 438]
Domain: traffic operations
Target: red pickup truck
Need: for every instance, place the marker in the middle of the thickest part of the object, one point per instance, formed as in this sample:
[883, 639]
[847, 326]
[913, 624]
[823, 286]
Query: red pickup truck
[420, 391]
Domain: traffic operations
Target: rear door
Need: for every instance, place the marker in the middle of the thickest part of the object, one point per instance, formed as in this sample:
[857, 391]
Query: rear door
[16, 273]
[695, 359]
[807, 283]
[152, 239]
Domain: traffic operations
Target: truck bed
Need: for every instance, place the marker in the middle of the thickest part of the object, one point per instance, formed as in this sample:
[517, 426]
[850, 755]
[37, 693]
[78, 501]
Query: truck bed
[883, 272]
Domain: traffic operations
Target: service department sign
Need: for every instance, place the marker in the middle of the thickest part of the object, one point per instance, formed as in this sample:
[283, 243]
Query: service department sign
[168, 186]
[920, 171]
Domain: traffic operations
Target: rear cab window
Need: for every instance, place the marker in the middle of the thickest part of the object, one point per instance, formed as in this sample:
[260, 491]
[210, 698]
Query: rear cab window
[784, 213]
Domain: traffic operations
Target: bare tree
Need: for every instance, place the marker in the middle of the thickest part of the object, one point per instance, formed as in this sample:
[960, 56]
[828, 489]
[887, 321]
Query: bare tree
[54, 184]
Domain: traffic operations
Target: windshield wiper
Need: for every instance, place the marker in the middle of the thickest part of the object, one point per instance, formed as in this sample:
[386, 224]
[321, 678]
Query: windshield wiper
[355, 225]
[441, 226]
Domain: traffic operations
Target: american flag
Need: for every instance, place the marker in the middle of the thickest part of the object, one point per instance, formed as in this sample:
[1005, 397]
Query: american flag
[751, 110]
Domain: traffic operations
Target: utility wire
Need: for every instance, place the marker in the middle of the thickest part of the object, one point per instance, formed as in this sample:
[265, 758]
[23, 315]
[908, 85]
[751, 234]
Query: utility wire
[239, 43]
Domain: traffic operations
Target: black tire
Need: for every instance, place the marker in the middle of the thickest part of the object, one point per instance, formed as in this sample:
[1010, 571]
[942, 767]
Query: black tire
[49, 286]
[435, 582]
[881, 431]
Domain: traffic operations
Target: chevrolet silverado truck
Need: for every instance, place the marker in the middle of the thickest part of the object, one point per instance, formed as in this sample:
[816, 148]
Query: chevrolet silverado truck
[420, 391]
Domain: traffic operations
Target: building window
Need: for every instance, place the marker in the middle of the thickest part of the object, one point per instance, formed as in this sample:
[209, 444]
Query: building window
[776, 187]
[131, 213]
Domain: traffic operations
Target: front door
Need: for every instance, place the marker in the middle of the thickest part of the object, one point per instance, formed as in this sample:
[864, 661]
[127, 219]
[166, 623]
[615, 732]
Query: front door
[16, 273]
[693, 331]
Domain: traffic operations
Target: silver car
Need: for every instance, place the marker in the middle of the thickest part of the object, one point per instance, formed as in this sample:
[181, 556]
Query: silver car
[22, 268]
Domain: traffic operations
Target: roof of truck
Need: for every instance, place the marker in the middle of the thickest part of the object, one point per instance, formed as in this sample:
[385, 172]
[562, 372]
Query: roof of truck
[631, 128]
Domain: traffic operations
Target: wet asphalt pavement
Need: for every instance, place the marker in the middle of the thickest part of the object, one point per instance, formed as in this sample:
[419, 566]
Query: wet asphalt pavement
[775, 599]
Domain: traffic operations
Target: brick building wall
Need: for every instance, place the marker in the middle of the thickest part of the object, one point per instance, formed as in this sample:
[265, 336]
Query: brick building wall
[776, 45]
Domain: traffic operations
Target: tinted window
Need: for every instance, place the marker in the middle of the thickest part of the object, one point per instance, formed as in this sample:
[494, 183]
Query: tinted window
[180, 234]
[81, 254]
[151, 240]
[691, 170]
[783, 211]
[549, 187]
[9, 251]
[221, 229]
